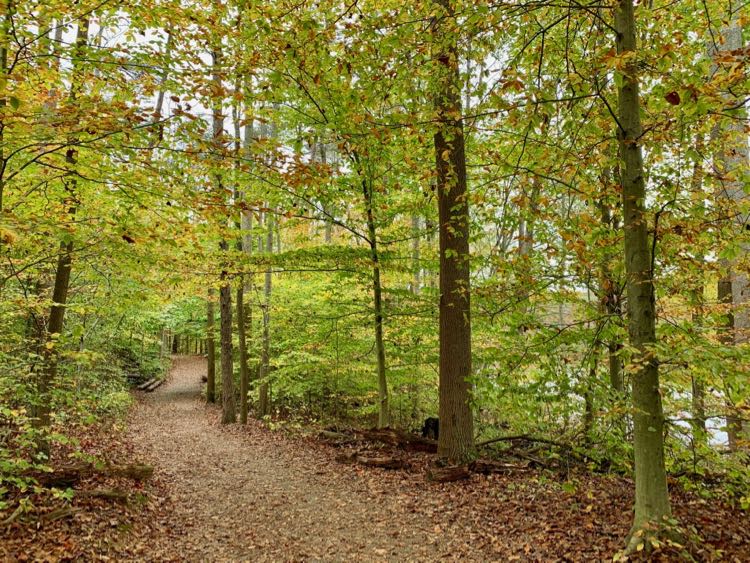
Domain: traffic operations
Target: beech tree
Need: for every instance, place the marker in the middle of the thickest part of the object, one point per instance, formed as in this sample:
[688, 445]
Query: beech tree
[456, 440]
[651, 494]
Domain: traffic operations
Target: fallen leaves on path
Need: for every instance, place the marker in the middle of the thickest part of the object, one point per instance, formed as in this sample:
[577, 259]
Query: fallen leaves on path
[234, 493]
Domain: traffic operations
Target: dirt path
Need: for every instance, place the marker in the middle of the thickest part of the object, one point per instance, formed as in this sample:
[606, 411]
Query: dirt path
[245, 494]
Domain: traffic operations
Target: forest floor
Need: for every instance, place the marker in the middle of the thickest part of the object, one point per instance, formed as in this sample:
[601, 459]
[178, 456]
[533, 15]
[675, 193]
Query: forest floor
[244, 493]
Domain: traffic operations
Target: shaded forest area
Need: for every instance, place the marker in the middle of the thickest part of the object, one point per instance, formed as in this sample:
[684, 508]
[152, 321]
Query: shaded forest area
[502, 247]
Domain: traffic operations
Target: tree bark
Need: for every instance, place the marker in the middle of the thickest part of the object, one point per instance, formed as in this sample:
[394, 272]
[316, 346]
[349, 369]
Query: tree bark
[4, 48]
[698, 397]
[61, 286]
[228, 408]
[211, 348]
[611, 298]
[377, 295]
[264, 406]
[456, 440]
[242, 338]
[416, 262]
[651, 494]
[731, 164]
[241, 315]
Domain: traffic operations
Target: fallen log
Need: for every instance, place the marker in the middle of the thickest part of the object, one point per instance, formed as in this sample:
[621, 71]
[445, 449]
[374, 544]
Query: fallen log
[60, 513]
[448, 474]
[489, 467]
[385, 462]
[109, 494]
[401, 439]
[145, 384]
[68, 476]
[154, 385]
[571, 450]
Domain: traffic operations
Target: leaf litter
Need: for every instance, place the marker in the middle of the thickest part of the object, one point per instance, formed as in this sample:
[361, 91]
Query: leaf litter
[245, 493]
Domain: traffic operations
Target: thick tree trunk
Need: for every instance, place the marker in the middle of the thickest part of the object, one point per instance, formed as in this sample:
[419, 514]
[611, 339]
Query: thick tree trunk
[211, 348]
[651, 495]
[456, 440]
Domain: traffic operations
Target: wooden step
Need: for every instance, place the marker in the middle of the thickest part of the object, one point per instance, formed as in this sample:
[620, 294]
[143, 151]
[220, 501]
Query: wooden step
[154, 385]
[146, 384]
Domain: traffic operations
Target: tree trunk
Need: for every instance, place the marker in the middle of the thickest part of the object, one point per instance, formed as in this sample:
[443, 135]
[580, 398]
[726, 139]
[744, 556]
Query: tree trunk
[244, 370]
[612, 305]
[456, 440]
[228, 408]
[328, 227]
[241, 316]
[416, 262]
[383, 410]
[4, 44]
[651, 495]
[730, 165]
[55, 323]
[264, 407]
[211, 346]
[698, 398]
[588, 396]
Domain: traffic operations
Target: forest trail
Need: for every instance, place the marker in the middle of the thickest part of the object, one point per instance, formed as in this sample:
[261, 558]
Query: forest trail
[246, 494]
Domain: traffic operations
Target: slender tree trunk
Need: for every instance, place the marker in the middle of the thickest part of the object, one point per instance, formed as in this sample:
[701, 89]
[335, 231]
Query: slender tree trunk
[416, 262]
[211, 348]
[698, 399]
[588, 397]
[241, 317]
[377, 295]
[611, 302]
[228, 408]
[4, 45]
[328, 228]
[651, 495]
[61, 285]
[160, 97]
[525, 248]
[264, 406]
[244, 370]
[456, 439]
